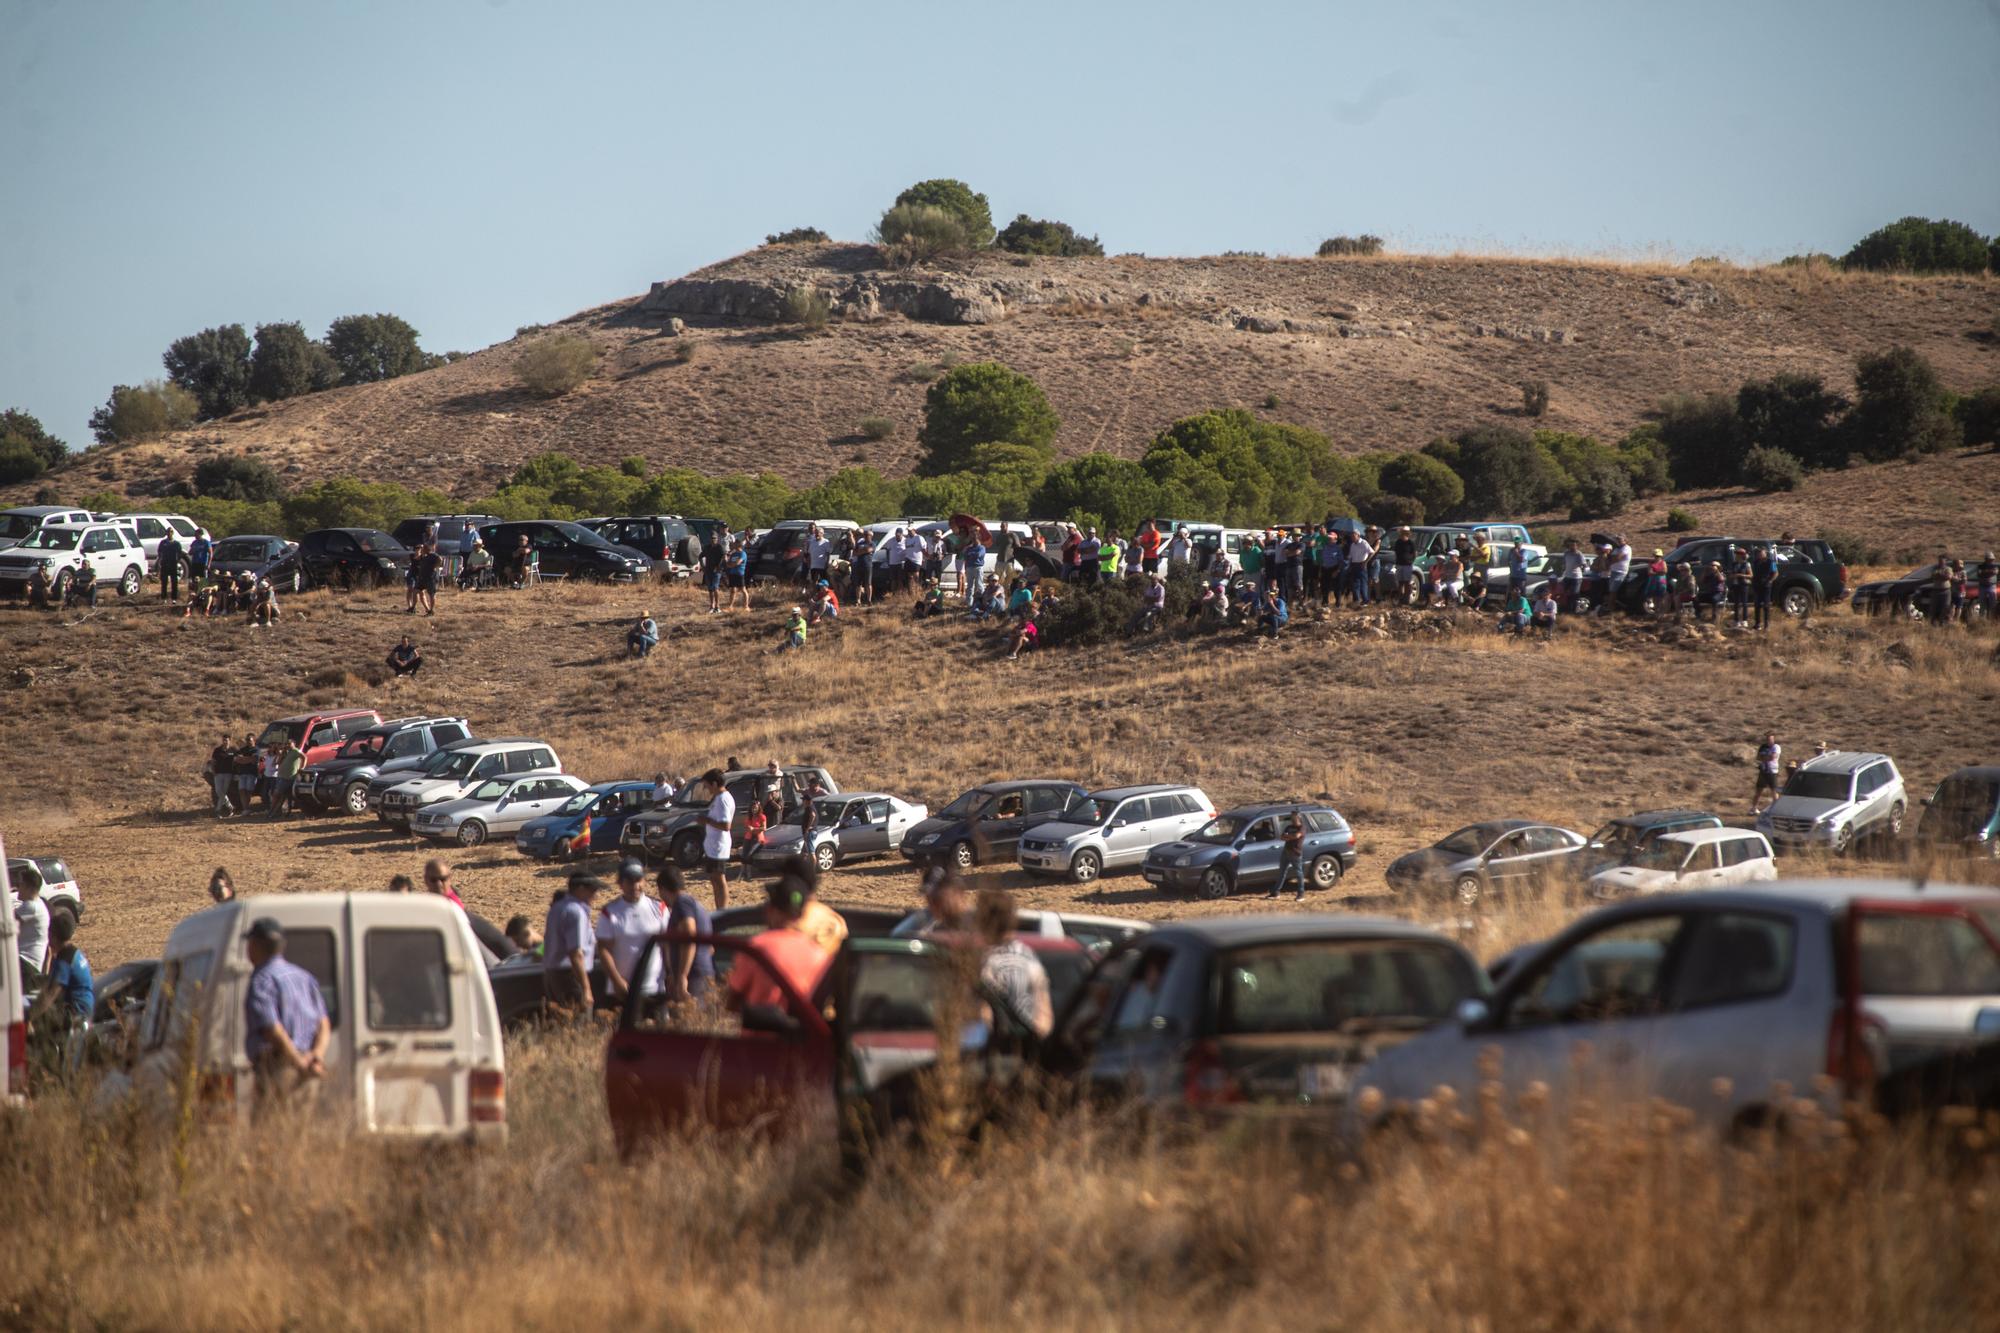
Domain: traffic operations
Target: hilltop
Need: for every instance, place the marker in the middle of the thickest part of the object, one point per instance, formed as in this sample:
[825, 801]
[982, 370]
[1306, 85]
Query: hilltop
[1376, 353]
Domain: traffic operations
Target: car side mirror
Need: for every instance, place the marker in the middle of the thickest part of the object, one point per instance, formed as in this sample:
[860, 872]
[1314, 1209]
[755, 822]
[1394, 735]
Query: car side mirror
[1472, 1013]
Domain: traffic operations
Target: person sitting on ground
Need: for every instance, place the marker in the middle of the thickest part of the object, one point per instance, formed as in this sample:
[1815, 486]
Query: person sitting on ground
[1213, 602]
[1020, 600]
[794, 632]
[1544, 619]
[987, 601]
[38, 588]
[1152, 604]
[82, 590]
[1515, 618]
[1024, 638]
[264, 605]
[643, 637]
[404, 659]
[825, 604]
[932, 601]
[1272, 613]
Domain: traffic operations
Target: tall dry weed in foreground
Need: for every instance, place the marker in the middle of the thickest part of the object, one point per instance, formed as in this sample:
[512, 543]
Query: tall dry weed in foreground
[1606, 1221]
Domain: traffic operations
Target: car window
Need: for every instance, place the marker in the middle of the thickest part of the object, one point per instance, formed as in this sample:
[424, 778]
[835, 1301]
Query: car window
[444, 733]
[339, 543]
[1544, 840]
[1917, 954]
[1705, 857]
[1614, 972]
[313, 949]
[878, 812]
[1322, 821]
[174, 998]
[1731, 957]
[1046, 800]
[404, 743]
[488, 766]
[1739, 851]
[1144, 997]
[409, 985]
[1187, 803]
[1339, 986]
[150, 528]
[517, 761]
[1514, 844]
[1819, 786]
[1163, 807]
[1261, 831]
[893, 992]
[1008, 806]
[491, 791]
[184, 527]
[102, 540]
[322, 734]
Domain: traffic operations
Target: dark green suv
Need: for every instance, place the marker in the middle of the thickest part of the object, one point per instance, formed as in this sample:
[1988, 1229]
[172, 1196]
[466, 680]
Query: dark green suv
[1809, 574]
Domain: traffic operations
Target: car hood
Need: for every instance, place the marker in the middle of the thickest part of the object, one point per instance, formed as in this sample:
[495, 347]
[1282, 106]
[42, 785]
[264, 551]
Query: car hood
[1167, 851]
[1637, 878]
[427, 785]
[933, 825]
[1804, 807]
[549, 823]
[1059, 831]
[1428, 861]
[339, 766]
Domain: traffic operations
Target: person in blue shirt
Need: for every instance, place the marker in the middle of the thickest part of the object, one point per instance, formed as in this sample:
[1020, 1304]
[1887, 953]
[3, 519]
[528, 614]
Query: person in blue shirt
[1272, 613]
[199, 551]
[285, 1025]
[68, 980]
[643, 637]
[569, 946]
[737, 566]
[1517, 572]
[690, 967]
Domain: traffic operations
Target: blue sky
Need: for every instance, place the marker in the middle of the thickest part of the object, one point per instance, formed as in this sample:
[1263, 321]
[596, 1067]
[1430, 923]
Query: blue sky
[477, 166]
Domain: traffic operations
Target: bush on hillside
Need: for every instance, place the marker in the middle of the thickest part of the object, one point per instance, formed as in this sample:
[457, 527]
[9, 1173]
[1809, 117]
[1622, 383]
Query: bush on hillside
[1703, 438]
[979, 403]
[1644, 457]
[1682, 520]
[1920, 245]
[1505, 472]
[877, 428]
[1119, 492]
[557, 363]
[1768, 469]
[859, 493]
[958, 199]
[368, 348]
[139, 412]
[214, 366]
[1105, 613]
[798, 236]
[1795, 413]
[227, 518]
[344, 502]
[1392, 511]
[1041, 236]
[286, 363]
[23, 430]
[1899, 408]
[18, 462]
[999, 480]
[236, 477]
[918, 233]
[1979, 416]
[1350, 245]
[807, 307]
[1419, 477]
[1852, 549]
[1535, 397]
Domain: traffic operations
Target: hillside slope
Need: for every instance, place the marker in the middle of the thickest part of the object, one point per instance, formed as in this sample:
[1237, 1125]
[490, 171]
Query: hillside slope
[1376, 353]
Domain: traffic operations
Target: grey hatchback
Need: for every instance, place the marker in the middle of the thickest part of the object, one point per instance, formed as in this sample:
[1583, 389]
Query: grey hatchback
[1480, 857]
[1243, 849]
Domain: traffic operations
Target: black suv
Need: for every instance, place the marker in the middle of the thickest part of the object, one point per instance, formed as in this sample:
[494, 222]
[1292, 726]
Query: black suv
[665, 539]
[353, 557]
[391, 748]
[566, 550]
[985, 824]
[448, 530]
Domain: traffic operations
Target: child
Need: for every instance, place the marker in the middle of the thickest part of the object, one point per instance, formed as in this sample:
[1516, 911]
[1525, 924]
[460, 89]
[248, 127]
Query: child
[795, 630]
[1024, 638]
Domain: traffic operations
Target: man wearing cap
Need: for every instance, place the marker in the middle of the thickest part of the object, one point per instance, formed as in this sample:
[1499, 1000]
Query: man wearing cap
[643, 637]
[790, 953]
[623, 927]
[795, 631]
[284, 1017]
[569, 946]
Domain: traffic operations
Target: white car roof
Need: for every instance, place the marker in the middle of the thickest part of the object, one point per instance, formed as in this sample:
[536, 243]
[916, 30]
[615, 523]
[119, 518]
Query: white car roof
[1698, 837]
[1841, 761]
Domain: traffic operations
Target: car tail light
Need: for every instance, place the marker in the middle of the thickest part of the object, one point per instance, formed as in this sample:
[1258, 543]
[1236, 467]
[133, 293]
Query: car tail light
[17, 1057]
[487, 1094]
[1851, 1045]
[1206, 1081]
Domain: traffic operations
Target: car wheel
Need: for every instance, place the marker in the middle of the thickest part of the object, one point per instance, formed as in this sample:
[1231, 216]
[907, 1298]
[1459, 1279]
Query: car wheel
[1843, 840]
[963, 856]
[471, 833]
[1582, 605]
[1085, 866]
[129, 581]
[1467, 889]
[59, 589]
[1894, 827]
[1325, 871]
[62, 912]
[295, 581]
[1798, 601]
[1215, 884]
[826, 856]
[561, 849]
[355, 798]
[687, 851]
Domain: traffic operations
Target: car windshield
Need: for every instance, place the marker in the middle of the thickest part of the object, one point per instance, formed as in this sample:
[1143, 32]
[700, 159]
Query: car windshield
[828, 809]
[1819, 786]
[1220, 830]
[361, 747]
[18, 525]
[490, 790]
[579, 803]
[276, 734]
[1616, 839]
[1963, 805]
[1468, 841]
[377, 542]
[240, 548]
[1340, 986]
[582, 536]
[455, 765]
[690, 795]
[52, 539]
[438, 764]
[967, 805]
[1662, 854]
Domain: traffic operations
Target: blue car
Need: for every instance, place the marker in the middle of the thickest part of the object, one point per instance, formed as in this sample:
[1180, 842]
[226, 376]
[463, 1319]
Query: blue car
[1240, 849]
[607, 806]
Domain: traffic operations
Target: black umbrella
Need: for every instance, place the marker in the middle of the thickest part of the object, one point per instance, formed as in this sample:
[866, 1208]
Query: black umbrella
[1353, 525]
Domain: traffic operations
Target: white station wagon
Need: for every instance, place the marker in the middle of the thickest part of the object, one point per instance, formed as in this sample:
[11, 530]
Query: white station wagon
[498, 805]
[1704, 858]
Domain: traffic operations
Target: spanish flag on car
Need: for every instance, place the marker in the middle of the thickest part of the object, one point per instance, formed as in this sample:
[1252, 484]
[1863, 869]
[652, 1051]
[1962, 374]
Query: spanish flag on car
[581, 842]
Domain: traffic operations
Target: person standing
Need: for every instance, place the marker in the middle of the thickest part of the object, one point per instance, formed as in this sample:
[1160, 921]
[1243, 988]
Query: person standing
[974, 557]
[1179, 550]
[31, 916]
[1656, 583]
[424, 578]
[70, 986]
[690, 972]
[717, 822]
[1988, 579]
[819, 552]
[712, 556]
[1769, 757]
[1110, 553]
[468, 541]
[1739, 587]
[1573, 562]
[1360, 552]
[569, 946]
[222, 777]
[624, 927]
[1008, 968]
[1517, 571]
[170, 555]
[737, 566]
[1149, 547]
[1763, 573]
[267, 776]
[199, 552]
[291, 759]
[284, 1018]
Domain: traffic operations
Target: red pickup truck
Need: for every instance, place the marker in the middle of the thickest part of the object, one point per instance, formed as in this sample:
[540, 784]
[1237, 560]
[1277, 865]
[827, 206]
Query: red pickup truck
[319, 734]
[856, 1044]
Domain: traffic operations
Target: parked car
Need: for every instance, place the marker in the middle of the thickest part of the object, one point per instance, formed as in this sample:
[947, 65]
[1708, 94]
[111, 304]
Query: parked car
[1113, 830]
[260, 556]
[432, 765]
[448, 530]
[464, 769]
[1910, 595]
[1272, 1016]
[1624, 838]
[1835, 798]
[111, 549]
[604, 807]
[497, 805]
[352, 557]
[1241, 848]
[985, 823]
[60, 891]
[1502, 534]
[1720, 1002]
[568, 550]
[1701, 858]
[675, 830]
[1809, 574]
[416, 1049]
[394, 749]
[668, 540]
[319, 734]
[1481, 857]
[849, 826]
[1963, 814]
[23, 521]
[780, 555]
[152, 529]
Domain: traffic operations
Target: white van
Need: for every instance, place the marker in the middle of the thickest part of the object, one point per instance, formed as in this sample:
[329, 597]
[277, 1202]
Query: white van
[415, 1054]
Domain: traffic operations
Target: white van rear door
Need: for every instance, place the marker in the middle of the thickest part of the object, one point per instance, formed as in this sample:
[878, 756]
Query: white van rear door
[413, 1019]
[13, 1028]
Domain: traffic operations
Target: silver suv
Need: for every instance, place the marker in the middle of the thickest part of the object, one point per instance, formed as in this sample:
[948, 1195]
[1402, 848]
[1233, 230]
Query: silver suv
[1835, 798]
[1113, 829]
[451, 773]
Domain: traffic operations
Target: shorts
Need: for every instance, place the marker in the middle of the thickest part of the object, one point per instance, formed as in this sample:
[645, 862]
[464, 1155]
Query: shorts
[737, 580]
[561, 987]
[1766, 781]
[715, 865]
[427, 584]
[712, 580]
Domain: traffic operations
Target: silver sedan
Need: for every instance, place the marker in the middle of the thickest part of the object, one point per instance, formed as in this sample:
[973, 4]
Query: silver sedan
[846, 827]
[497, 805]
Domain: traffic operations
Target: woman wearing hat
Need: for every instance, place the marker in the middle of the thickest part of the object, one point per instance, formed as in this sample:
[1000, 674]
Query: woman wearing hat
[1656, 582]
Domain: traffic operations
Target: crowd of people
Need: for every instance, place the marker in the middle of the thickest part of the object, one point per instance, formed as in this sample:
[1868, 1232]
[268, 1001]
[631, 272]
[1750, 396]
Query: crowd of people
[246, 772]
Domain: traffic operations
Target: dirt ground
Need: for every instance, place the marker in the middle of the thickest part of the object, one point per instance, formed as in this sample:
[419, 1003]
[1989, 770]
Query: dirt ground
[1410, 729]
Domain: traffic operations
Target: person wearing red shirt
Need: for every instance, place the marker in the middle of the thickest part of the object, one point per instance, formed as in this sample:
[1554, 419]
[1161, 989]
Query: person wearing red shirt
[1149, 548]
[791, 953]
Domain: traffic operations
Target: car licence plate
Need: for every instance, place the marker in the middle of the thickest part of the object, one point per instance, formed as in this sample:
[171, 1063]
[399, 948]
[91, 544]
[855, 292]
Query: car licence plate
[1323, 1080]
[1156, 876]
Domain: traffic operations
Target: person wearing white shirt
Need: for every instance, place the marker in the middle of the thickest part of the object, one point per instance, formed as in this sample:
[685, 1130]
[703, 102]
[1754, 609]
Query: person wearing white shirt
[819, 550]
[623, 928]
[913, 556]
[1178, 548]
[31, 917]
[894, 553]
[717, 823]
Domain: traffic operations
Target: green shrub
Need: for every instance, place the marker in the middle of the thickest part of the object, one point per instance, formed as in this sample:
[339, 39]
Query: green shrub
[685, 350]
[24, 430]
[982, 403]
[877, 428]
[1644, 457]
[1534, 397]
[237, 477]
[1703, 438]
[1040, 236]
[1920, 245]
[959, 200]
[1600, 487]
[1118, 491]
[1434, 486]
[1272, 402]
[368, 348]
[529, 330]
[1852, 549]
[1768, 469]
[798, 236]
[1795, 413]
[1979, 416]
[1505, 473]
[286, 364]
[1817, 259]
[344, 502]
[556, 363]
[1899, 407]
[923, 372]
[918, 233]
[1350, 245]
[807, 307]
[214, 366]
[18, 462]
[143, 411]
[1105, 613]
[1682, 520]
[859, 493]
[1392, 511]
[226, 518]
